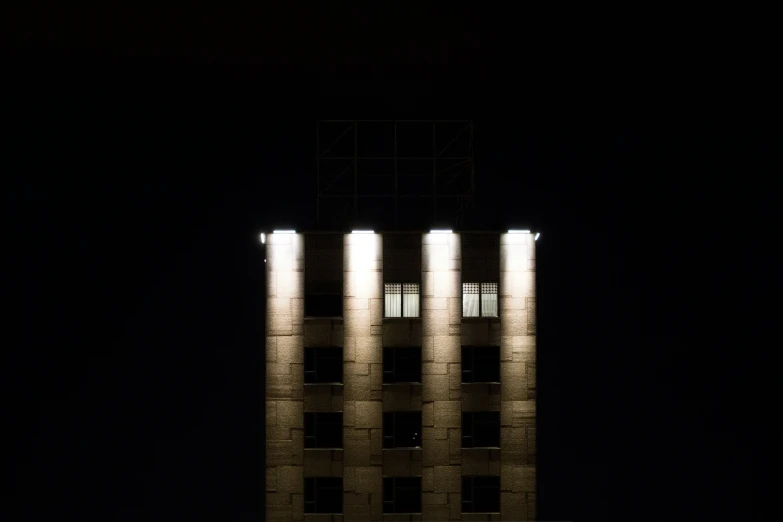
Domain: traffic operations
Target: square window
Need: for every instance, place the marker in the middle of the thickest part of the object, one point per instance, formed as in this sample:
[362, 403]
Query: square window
[323, 430]
[401, 429]
[323, 495]
[481, 429]
[481, 494]
[402, 495]
[402, 364]
[323, 364]
[480, 364]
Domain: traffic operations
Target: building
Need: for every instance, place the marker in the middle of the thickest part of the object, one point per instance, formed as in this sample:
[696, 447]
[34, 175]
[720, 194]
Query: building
[400, 376]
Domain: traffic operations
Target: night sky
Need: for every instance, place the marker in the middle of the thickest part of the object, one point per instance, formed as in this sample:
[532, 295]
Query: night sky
[146, 152]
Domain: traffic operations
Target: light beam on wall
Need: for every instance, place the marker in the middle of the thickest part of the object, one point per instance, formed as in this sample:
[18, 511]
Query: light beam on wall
[362, 232]
[285, 231]
[361, 251]
[518, 231]
[440, 231]
[537, 234]
[263, 238]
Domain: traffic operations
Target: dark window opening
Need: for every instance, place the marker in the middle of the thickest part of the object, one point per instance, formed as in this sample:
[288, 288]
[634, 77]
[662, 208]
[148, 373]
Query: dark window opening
[402, 495]
[323, 305]
[480, 494]
[402, 364]
[323, 430]
[323, 364]
[402, 429]
[481, 429]
[323, 495]
[481, 364]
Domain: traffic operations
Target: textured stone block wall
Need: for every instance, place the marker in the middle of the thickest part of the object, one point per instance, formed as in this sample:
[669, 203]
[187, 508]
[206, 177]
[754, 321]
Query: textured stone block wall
[517, 375]
[362, 332]
[363, 377]
[441, 318]
[284, 377]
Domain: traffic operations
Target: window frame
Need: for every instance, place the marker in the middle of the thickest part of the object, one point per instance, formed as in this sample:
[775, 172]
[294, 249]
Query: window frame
[470, 480]
[472, 348]
[314, 349]
[402, 300]
[471, 416]
[393, 501]
[388, 431]
[314, 416]
[311, 484]
[393, 372]
[481, 306]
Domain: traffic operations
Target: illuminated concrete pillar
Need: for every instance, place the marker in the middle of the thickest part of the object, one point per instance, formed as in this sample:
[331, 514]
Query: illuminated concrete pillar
[363, 377]
[441, 318]
[517, 377]
[284, 377]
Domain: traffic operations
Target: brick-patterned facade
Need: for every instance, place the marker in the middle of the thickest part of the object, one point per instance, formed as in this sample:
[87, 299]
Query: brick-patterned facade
[285, 377]
[443, 262]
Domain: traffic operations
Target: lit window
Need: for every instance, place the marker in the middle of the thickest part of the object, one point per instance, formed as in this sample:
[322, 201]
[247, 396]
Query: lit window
[479, 299]
[401, 299]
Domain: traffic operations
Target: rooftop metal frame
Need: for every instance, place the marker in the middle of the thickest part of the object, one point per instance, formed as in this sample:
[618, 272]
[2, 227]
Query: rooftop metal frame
[445, 192]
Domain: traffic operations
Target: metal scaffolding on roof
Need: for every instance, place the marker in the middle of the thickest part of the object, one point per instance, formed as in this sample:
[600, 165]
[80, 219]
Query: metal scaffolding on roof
[394, 173]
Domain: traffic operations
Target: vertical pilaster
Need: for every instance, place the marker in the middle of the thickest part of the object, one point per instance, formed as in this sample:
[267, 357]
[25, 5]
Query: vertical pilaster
[517, 376]
[363, 377]
[441, 377]
[284, 377]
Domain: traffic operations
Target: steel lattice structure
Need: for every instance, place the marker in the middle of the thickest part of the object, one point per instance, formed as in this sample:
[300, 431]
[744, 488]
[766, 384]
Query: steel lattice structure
[394, 174]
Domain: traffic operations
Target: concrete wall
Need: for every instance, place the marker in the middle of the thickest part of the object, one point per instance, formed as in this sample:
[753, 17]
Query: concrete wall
[363, 375]
[284, 377]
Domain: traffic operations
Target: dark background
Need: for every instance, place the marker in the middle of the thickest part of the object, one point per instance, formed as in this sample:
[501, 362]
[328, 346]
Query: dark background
[145, 151]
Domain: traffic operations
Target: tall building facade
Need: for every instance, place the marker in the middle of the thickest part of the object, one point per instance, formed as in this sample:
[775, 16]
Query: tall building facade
[400, 376]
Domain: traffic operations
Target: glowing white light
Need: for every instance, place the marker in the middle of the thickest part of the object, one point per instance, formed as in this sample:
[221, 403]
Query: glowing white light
[285, 231]
[263, 238]
[518, 231]
[362, 232]
[440, 231]
[537, 234]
